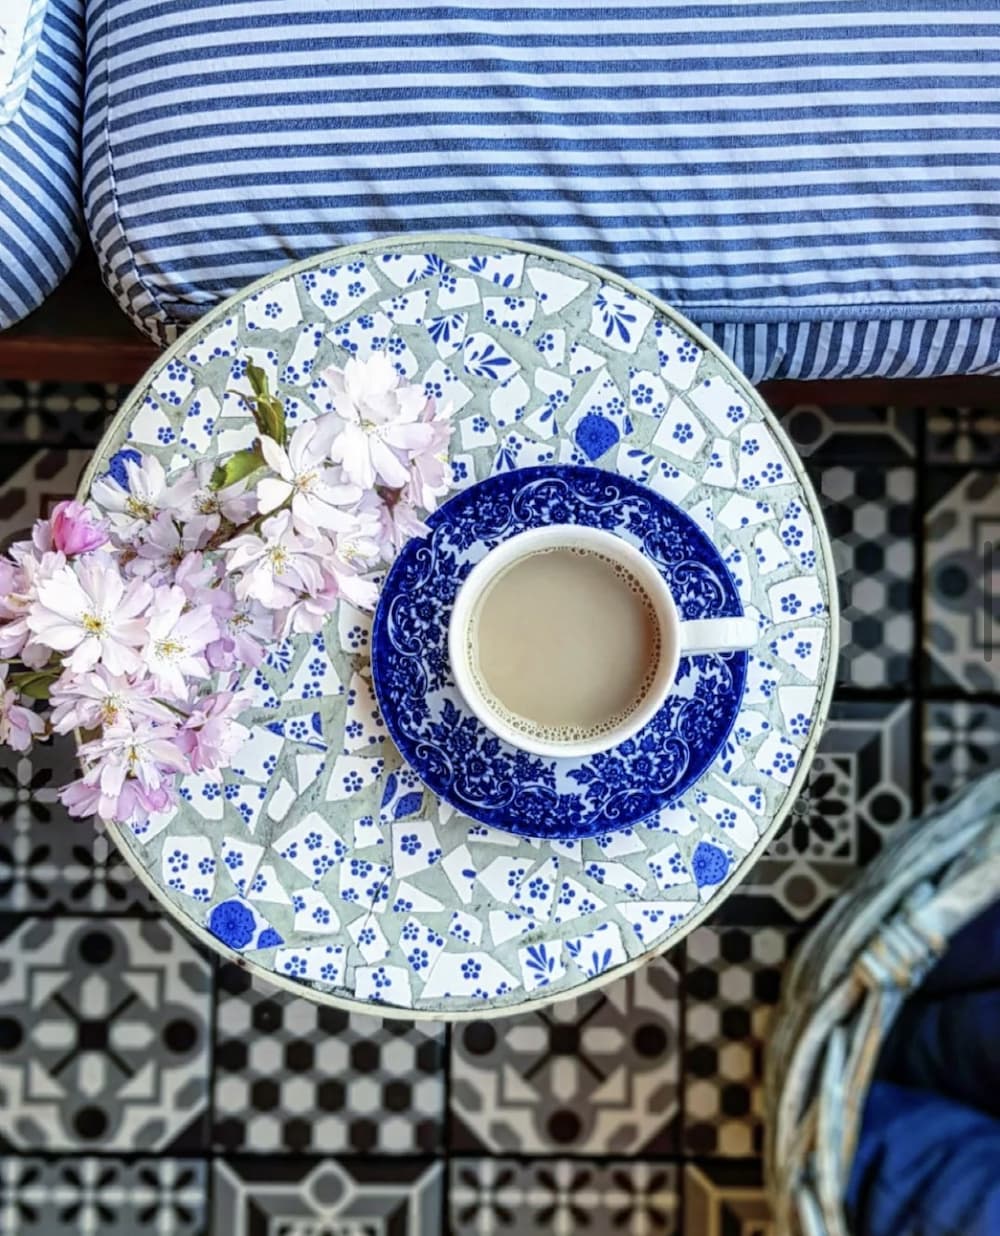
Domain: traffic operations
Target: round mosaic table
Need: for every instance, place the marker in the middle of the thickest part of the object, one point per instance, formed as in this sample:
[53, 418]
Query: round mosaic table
[321, 863]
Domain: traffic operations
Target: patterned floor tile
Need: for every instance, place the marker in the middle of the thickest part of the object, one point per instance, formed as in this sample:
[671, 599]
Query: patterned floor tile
[963, 580]
[32, 481]
[48, 859]
[596, 1075]
[869, 514]
[962, 742]
[299, 1197]
[103, 1035]
[292, 1077]
[843, 434]
[731, 984]
[726, 1199]
[560, 1197]
[963, 435]
[103, 1197]
[64, 413]
[858, 789]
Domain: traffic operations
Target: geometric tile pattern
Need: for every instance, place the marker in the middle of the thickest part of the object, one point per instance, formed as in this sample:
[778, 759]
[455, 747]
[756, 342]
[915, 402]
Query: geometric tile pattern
[962, 536]
[726, 1199]
[306, 1197]
[660, 1144]
[104, 1028]
[846, 434]
[291, 1077]
[558, 1197]
[869, 513]
[597, 1075]
[963, 742]
[103, 1197]
[963, 436]
[732, 982]
[858, 790]
[49, 860]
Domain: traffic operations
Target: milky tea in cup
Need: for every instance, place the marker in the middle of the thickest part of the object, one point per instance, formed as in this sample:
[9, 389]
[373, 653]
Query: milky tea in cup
[565, 640]
[563, 644]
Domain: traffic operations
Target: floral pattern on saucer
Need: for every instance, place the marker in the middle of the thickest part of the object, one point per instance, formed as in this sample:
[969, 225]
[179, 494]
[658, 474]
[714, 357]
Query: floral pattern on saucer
[329, 852]
[463, 761]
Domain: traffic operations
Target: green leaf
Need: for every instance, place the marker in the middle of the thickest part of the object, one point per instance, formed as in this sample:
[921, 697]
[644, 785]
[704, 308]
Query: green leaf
[34, 684]
[238, 467]
[258, 380]
[271, 419]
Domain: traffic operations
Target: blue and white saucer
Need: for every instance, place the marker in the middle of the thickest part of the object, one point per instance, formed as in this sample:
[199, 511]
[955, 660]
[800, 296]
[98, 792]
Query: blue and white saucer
[463, 761]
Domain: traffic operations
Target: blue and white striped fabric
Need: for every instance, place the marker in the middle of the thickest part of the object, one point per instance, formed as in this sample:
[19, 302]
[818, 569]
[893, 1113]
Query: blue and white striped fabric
[814, 182]
[40, 117]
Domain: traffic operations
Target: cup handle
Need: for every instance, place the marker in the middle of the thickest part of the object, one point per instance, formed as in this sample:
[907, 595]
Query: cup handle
[717, 635]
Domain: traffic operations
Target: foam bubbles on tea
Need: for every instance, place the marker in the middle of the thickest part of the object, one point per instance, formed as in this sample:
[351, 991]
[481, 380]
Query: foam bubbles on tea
[564, 644]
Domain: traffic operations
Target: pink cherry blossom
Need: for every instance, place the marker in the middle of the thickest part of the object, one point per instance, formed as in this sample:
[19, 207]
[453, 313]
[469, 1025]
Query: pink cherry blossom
[75, 529]
[318, 492]
[29, 568]
[399, 523]
[203, 509]
[380, 419]
[212, 735]
[278, 565]
[89, 611]
[246, 629]
[145, 757]
[165, 545]
[132, 508]
[19, 724]
[97, 698]
[176, 639]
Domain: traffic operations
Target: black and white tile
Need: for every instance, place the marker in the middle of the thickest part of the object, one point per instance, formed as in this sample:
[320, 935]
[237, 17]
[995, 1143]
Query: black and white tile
[597, 1075]
[57, 413]
[962, 591]
[103, 1197]
[962, 741]
[732, 983]
[845, 434]
[293, 1077]
[963, 436]
[48, 860]
[326, 1197]
[563, 1197]
[870, 518]
[858, 790]
[104, 1035]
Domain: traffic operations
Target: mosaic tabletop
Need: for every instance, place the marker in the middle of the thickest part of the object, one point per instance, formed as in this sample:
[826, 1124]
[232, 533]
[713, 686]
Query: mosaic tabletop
[321, 860]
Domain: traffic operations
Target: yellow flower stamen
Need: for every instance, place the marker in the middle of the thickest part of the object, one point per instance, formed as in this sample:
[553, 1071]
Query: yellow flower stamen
[139, 509]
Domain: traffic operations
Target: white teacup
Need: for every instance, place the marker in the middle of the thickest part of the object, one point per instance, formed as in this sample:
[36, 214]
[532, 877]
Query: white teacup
[675, 638]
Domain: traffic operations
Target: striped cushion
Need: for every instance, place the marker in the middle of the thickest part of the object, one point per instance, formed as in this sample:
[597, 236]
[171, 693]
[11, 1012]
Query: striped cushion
[40, 116]
[814, 182]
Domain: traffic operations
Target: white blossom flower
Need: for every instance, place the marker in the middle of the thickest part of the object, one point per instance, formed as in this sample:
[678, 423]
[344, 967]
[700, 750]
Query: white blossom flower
[176, 641]
[381, 421]
[98, 698]
[318, 492]
[132, 503]
[277, 565]
[89, 611]
[145, 754]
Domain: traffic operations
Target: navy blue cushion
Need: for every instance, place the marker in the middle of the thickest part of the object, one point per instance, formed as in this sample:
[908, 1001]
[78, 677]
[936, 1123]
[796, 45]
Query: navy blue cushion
[811, 181]
[925, 1166]
[40, 118]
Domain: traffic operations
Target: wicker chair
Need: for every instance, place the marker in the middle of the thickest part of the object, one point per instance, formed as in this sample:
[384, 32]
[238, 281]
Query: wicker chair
[845, 988]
